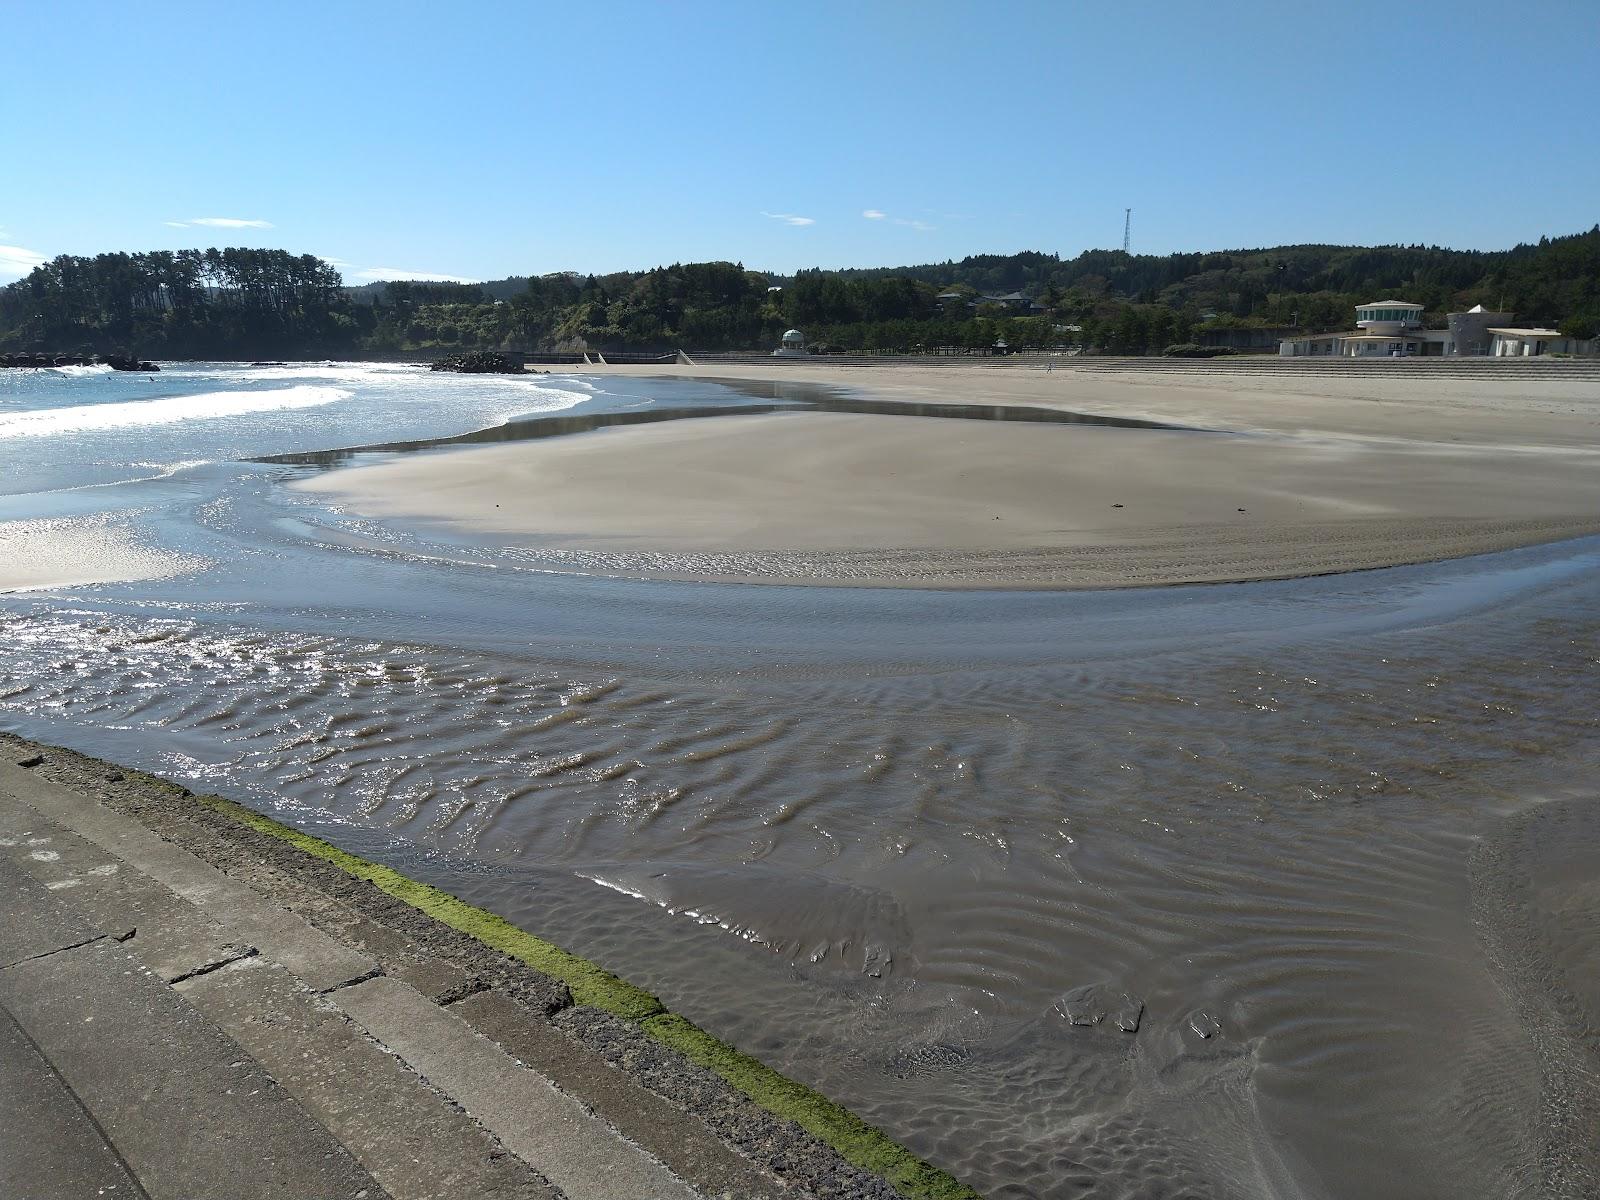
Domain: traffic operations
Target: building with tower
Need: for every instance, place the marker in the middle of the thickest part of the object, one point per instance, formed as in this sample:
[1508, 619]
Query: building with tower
[1393, 329]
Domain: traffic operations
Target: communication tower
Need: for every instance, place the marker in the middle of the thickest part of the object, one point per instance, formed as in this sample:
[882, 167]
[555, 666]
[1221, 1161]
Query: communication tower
[1127, 227]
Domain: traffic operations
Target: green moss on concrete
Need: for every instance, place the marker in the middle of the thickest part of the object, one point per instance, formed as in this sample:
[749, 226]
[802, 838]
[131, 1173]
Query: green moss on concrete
[853, 1138]
[847, 1133]
[589, 983]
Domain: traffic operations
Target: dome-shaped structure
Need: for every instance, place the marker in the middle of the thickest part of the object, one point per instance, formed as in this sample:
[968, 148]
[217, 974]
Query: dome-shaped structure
[794, 342]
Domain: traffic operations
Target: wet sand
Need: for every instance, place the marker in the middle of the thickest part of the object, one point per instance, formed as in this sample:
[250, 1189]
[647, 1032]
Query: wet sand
[1324, 477]
[45, 554]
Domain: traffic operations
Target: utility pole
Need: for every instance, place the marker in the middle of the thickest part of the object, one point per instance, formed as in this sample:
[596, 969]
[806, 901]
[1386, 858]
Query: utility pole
[1127, 227]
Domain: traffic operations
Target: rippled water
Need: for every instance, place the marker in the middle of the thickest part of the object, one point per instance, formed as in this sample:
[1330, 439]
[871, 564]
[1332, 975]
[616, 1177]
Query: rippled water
[1330, 845]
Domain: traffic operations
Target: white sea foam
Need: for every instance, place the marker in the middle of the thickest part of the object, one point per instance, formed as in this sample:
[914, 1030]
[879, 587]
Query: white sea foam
[73, 371]
[168, 411]
[329, 370]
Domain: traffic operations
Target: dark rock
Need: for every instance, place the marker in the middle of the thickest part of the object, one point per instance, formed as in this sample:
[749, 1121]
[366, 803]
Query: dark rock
[483, 362]
[31, 761]
[1092, 1003]
[117, 362]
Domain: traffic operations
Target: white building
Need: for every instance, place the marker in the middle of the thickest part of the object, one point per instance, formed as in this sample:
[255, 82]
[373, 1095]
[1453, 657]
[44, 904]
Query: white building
[1510, 342]
[1384, 329]
[1393, 329]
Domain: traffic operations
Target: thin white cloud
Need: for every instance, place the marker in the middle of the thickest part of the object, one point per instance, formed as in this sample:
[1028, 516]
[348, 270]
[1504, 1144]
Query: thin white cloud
[399, 275]
[790, 219]
[15, 261]
[877, 214]
[221, 223]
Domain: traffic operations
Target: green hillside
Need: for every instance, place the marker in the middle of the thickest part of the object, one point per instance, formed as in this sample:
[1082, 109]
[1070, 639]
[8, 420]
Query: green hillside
[239, 303]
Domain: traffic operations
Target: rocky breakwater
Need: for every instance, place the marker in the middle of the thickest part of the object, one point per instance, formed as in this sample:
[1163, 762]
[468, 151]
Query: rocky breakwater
[482, 362]
[117, 362]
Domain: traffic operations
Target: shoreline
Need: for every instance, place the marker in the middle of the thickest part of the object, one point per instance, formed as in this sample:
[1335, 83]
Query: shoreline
[310, 876]
[1280, 484]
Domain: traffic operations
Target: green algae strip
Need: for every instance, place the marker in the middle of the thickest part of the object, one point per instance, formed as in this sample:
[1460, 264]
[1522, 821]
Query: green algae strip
[855, 1140]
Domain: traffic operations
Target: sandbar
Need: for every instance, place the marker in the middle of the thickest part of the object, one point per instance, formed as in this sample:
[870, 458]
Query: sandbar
[1317, 476]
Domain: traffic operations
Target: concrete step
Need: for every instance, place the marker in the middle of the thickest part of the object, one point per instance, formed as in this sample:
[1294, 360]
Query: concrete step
[681, 1142]
[428, 1106]
[171, 937]
[250, 917]
[189, 1112]
[51, 1149]
[572, 1147]
[416, 1142]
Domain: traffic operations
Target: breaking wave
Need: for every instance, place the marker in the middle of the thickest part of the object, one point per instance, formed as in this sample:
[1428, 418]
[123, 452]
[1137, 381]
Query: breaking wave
[168, 411]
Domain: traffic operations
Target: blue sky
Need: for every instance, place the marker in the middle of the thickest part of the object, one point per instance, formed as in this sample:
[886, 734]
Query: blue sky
[478, 140]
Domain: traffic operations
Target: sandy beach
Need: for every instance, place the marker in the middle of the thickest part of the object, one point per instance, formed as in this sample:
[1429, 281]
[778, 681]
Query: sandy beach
[45, 554]
[930, 852]
[1281, 477]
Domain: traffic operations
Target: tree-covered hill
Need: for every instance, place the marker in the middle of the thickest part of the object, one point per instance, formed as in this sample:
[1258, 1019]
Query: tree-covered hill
[239, 303]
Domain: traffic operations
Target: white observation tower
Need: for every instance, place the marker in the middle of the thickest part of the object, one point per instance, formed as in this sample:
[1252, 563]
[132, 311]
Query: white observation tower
[1388, 317]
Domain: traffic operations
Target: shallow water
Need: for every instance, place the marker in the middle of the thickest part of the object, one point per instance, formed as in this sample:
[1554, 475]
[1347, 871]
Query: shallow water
[1330, 844]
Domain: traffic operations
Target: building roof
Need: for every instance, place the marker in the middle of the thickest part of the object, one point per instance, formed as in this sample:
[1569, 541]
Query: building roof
[1014, 297]
[1543, 333]
[1389, 304]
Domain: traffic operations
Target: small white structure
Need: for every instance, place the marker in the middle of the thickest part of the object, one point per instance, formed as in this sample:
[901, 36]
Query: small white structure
[794, 345]
[1508, 342]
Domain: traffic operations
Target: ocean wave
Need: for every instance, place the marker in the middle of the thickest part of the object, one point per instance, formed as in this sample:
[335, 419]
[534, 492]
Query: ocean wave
[77, 371]
[332, 370]
[168, 411]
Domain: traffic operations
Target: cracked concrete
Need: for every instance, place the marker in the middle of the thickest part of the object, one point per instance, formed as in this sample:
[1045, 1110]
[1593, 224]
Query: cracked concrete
[440, 1065]
[207, 968]
[173, 1099]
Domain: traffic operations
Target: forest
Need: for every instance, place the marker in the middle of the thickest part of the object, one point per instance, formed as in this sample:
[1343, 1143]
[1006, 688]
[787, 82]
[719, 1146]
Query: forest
[246, 303]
